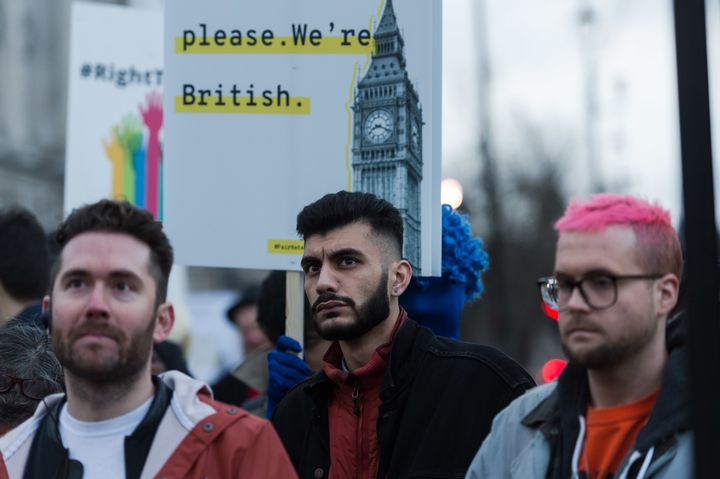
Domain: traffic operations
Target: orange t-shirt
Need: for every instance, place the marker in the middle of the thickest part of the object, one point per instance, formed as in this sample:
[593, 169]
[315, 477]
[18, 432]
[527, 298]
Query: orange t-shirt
[610, 434]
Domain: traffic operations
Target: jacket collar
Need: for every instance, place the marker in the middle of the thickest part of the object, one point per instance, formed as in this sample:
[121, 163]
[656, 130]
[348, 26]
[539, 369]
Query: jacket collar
[373, 370]
[671, 413]
[49, 458]
[410, 343]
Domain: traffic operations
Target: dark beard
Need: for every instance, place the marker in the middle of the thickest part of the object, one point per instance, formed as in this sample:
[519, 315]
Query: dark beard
[603, 357]
[375, 310]
[609, 355]
[129, 363]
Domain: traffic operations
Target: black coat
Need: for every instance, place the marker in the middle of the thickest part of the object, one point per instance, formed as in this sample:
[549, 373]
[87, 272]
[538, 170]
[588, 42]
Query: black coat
[439, 397]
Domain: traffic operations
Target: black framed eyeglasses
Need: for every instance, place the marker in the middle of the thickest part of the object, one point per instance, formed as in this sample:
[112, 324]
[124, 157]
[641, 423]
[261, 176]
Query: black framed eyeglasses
[32, 388]
[598, 290]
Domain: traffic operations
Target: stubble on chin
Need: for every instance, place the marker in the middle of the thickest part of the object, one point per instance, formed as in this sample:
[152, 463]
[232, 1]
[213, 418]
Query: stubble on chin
[608, 353]
[103, 365]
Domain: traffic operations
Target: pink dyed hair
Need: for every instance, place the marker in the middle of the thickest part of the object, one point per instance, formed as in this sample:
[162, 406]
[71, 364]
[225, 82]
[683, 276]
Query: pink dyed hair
[658, 245]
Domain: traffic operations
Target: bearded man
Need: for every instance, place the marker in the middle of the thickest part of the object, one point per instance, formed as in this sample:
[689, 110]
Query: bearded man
[106, 308]
[621, 406]
[392, 399]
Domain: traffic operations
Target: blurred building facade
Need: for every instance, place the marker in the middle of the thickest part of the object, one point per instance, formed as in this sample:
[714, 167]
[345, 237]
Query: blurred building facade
[33, 90]
[34, 51]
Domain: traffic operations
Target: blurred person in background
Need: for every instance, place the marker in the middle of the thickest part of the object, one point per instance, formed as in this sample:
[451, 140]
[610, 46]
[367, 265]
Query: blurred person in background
[621, 407]
[29, 371]
[256, 346]
[286, 369]
[24, 265]
[168, 356]
[243, 315]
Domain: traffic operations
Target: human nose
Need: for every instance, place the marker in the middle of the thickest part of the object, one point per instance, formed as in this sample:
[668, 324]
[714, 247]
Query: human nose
[97, 302]
[326, 281]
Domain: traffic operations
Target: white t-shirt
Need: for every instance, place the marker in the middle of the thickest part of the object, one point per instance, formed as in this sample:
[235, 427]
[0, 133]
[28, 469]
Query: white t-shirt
[100, 445]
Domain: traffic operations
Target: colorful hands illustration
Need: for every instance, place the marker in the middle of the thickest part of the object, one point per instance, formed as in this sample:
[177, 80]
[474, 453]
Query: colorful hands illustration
[153, 114]
[153, 118]
[137, 165]
[130, 139]
[116, 155]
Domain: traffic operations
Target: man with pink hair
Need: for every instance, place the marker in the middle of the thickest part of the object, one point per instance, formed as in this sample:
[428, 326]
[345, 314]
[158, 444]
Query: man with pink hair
[621, 406]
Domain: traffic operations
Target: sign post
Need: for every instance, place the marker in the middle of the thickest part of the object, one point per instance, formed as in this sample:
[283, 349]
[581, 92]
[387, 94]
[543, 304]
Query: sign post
[294, 302]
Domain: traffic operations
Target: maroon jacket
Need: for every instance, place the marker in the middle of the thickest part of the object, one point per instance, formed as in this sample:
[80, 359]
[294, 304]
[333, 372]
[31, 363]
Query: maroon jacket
[353, 411]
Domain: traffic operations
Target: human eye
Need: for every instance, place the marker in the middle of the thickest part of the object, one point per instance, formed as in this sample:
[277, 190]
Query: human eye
[123, 286]
[74, 283]
[599, 287]
[563, 285]
[310, 268]
[347, 261]
[599, 282]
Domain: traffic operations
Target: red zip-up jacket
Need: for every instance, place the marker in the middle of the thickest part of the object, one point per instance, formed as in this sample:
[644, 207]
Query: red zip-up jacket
[353, 411]
[197, 438]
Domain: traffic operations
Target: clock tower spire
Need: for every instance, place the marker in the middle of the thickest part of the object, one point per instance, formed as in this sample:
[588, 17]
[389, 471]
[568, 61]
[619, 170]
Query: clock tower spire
[387, 132]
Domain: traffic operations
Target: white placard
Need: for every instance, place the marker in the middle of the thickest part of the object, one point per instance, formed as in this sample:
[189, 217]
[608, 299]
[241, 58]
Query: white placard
[273, 104]
[114, 128]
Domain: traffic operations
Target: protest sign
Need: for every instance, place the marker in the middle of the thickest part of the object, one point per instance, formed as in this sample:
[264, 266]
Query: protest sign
[272, 104]
[115, 113]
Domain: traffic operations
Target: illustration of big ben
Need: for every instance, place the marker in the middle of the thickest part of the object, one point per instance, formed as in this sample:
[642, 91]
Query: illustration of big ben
[387, 132]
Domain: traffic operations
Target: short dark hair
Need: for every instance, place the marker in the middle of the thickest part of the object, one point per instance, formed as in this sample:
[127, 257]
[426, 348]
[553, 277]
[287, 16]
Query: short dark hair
[336, 210]
[121, 217]
[271, 308]
[24, 262]
[25, 352]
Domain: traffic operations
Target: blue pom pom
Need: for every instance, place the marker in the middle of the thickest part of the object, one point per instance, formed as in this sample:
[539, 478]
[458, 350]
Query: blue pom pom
[463, 256]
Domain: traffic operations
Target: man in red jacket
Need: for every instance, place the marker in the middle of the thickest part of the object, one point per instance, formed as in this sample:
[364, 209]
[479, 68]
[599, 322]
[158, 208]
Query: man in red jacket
[106, 308]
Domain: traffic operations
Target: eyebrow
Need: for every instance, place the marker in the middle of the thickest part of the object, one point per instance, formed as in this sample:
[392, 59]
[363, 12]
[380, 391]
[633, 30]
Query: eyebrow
[345, 252]
[592, 272]
[124, 274]
[116, 274]
[333, 255]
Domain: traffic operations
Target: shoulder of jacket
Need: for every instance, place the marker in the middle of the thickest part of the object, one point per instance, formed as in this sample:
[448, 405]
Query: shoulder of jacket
[228, 421]
[308, 386]
[302, 398]
[520, 409]
[15, 438]
[484, 358]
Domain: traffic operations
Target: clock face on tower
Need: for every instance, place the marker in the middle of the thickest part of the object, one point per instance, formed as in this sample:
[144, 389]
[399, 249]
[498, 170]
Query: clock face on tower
[379, 126]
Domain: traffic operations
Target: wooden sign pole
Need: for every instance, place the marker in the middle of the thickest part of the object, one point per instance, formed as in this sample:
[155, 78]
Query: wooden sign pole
[294, 305]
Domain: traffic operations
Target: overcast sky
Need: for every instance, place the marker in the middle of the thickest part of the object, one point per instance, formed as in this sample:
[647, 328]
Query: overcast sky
[538, 74]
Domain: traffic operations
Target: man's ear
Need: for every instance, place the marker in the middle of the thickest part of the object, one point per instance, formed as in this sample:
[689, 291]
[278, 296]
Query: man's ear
[400, 274]
[46, 304]
[668, 289]
[164, 322]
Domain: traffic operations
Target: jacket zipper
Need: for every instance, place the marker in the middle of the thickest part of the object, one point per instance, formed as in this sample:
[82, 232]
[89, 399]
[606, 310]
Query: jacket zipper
[358, 429]
[355, 394]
